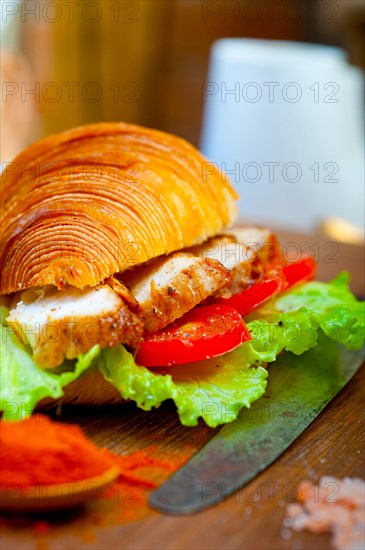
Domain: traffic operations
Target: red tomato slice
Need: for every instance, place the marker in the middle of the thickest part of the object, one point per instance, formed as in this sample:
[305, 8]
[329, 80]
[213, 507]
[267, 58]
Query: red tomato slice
[256, 295]
[277, 280]
[300, 271]
[204, 332]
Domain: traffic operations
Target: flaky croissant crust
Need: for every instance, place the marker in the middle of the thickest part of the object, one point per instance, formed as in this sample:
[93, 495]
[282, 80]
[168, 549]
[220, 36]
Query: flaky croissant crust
[81, 205]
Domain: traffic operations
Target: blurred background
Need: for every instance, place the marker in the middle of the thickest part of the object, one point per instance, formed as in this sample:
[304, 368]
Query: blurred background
[143, 61]
[152, 62]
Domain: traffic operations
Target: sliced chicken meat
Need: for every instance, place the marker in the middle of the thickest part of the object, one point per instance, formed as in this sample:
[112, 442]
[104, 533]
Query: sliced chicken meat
[170, 286]
[244, 252]
[60, 325]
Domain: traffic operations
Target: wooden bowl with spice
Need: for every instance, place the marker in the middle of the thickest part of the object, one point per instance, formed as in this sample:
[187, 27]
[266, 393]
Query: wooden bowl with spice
[46, 465]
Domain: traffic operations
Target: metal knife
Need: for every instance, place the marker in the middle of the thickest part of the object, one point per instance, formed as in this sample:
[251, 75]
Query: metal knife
[299, 388]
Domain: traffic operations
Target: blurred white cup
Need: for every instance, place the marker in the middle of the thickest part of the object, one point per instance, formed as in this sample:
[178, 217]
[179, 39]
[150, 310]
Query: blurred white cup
[285, 121]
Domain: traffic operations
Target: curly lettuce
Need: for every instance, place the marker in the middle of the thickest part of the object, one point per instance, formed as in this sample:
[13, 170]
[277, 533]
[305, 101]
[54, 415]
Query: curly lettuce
[215, 389]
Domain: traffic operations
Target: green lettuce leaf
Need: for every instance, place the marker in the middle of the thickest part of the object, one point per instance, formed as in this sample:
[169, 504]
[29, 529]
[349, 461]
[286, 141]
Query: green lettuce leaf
[338, 313]
[330, 307]
[22, 383]
[215, 389]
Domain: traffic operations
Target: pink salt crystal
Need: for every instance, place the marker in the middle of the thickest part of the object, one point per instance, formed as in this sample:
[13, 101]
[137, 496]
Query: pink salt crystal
[335, 506]
[353, 491]
[305, 491]
[293, 510]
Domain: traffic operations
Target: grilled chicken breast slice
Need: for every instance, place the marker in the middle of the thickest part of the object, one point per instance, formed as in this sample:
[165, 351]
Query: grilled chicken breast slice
[244, 252]
[169, 287]
[60, 325]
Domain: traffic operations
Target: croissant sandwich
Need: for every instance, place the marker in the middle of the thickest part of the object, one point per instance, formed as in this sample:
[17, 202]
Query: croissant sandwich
[122, 278]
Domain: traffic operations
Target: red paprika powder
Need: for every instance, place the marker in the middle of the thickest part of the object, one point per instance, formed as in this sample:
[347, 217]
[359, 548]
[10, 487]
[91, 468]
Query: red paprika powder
[38, 451]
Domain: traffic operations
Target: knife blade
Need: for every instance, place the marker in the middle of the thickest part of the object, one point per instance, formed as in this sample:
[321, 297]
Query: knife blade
[299, 388]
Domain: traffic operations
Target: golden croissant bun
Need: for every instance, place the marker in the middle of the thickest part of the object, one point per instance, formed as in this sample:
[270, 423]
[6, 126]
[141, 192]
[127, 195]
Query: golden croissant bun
[90, 389]
[79, 206]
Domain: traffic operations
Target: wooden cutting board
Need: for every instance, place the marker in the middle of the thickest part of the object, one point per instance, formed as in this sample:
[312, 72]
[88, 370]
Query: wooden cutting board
[251, 519]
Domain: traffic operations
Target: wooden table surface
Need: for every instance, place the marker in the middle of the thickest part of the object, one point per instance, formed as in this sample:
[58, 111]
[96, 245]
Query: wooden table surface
[252, 519]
